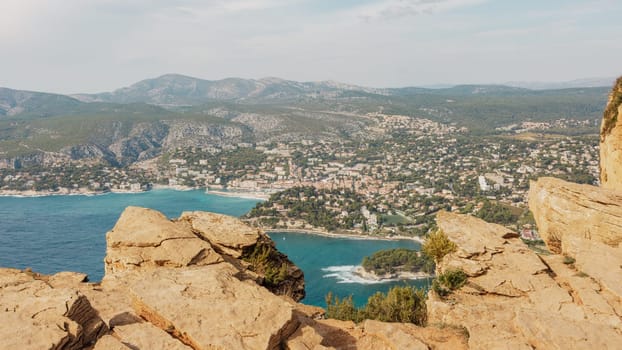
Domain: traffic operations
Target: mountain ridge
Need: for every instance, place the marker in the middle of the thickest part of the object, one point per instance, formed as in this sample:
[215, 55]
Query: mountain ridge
[173, 89]
[155, 115]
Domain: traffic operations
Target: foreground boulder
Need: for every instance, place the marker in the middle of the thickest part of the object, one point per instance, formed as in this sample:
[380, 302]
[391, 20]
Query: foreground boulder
[516, 299]
[563, 209]
[227, 234]
[239, 314]
[37, 315]
[144, 239]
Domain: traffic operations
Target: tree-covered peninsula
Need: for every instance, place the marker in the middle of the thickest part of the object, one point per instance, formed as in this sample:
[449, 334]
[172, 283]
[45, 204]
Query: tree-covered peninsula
[396, 263]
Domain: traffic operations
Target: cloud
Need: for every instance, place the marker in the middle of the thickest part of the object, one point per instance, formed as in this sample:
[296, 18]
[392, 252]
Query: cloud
[392, 9]
[96, 45]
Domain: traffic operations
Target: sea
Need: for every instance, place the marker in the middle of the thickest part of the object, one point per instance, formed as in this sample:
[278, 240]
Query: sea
[67, 233]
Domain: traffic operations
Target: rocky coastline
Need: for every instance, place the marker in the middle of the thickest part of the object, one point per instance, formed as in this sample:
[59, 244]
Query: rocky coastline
[258, 195]
[202, 281]
[62, 192]
[323, 233]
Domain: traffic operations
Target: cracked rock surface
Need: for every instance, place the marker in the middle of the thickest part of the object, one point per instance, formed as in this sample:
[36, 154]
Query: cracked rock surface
[516, 299]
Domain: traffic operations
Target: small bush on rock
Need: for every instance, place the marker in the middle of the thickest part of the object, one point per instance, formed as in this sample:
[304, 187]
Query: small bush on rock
[448, 281]
[437, 245]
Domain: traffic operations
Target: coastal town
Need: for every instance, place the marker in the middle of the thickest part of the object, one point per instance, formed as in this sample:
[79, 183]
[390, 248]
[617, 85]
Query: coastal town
[410, 169]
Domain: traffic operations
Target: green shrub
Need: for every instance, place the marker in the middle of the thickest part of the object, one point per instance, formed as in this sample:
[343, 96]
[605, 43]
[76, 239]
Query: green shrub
[264, 260]
[437, 245]
[343, 309]
[448, 281]
[610, 118]
[399, 304]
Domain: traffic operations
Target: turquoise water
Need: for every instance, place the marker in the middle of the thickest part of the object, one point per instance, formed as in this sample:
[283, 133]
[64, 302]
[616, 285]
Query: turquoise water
[67, 233]
[328, 264]
[61, 233]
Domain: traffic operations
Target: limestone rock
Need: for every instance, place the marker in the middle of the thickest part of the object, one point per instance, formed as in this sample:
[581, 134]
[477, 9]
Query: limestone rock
[306, 338]
[611, 141]
[394, 336]
[522, 301]
[563, 209]
[144, 335]
[142, 227]
[489, 239]
[241, 315]
[599, 261]
[165, 287]
[145, 238]
[374, 335]
[227, 234]
[108, 342]
[111, 298]
[37, 316]
[551, 331]
[65, 279]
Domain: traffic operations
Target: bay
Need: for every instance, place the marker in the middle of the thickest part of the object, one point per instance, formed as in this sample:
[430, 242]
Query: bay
[328, 264]
[67, 233]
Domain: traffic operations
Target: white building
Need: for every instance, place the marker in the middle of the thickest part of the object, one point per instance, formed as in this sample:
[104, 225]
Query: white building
[483, 185]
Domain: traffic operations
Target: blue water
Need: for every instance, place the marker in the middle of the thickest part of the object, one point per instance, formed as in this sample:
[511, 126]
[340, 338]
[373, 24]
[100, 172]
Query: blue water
[328, 264]
[67, 233]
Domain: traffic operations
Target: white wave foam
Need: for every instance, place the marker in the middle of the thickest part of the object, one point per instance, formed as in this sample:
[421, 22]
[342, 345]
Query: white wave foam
[346, 274]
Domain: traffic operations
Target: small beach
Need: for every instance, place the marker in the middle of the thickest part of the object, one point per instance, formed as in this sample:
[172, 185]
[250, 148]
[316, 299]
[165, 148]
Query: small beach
[346, 235]
[261, 196]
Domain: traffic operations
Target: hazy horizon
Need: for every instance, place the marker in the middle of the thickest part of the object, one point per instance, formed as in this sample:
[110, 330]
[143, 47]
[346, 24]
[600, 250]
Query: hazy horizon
[534, 85]
[74, 46]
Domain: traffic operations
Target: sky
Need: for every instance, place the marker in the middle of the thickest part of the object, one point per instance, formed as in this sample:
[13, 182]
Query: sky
[71, 46]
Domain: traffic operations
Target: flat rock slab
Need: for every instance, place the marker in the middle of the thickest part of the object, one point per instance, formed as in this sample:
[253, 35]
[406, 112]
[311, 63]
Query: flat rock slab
[36, 316]
[229, 234]
[145, 238]
[489, 237]
[564, 209]
[144, 335]
[142, 227]
[518, 302]
[209, 308]
[598, 260]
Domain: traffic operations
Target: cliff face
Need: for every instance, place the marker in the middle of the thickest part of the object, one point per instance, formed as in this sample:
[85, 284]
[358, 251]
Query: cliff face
[203, 281]
[563, 209]
[516, 299]
[144, 239]
[611, 140]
